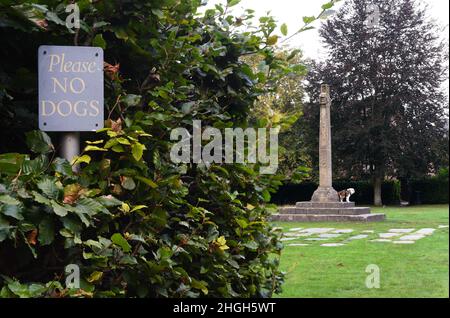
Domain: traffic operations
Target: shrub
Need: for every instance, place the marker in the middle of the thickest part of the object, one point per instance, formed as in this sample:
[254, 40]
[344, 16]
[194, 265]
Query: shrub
[429, 191]
[137, 224]
[443, 173]
[291, 193]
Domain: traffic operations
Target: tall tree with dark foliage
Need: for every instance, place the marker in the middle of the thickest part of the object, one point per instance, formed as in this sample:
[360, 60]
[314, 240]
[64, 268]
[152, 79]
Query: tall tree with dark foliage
[386, 68]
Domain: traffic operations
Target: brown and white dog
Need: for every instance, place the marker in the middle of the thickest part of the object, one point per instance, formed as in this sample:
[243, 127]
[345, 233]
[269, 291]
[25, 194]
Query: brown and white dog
[345, 194]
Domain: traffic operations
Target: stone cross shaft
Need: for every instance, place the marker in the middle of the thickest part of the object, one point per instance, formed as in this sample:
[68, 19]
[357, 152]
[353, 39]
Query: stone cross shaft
[325, 191]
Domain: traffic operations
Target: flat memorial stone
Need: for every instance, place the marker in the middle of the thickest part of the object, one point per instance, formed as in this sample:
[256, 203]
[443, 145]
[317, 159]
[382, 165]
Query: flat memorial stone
[316, 239]
[368, 231]
[381, 240]
[404, 242]
[318, 230]
[290, 234]
[343, 231]
[295, 229]
[288, 239]
[329, 235]
[298, 244]
[332, 244]
[443, 226]
[358, 237]
[401, 230]
[425, 231]
[411, 237]
[388, 235]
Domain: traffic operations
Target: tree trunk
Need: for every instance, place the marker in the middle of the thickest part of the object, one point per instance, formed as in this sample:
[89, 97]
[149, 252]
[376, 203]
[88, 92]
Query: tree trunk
[377, 191]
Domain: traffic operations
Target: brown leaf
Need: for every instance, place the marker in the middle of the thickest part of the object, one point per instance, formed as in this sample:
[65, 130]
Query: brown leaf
[42, 24]
[70, 199]
[82, 293]
[116, 126]
[117, 189]
[56, 294]
[112, 71]
[32, 236]
[71, 193]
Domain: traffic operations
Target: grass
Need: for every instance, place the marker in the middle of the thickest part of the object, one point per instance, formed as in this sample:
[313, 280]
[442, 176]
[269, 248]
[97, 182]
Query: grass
[407, 271]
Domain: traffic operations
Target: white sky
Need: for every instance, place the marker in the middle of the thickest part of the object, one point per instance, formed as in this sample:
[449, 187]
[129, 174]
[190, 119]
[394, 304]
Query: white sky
[292, 11]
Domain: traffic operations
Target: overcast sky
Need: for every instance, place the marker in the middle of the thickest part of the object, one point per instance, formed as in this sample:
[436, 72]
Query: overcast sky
[292, 11]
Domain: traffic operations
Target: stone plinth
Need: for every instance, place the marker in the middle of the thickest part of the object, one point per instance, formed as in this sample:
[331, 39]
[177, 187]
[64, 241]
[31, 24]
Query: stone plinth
[329, 217]
[309, 211]
[309, 204]
[340, 211]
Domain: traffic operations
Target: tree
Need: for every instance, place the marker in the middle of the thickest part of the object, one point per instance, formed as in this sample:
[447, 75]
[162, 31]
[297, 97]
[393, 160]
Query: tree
[282, 107]
[388, 111]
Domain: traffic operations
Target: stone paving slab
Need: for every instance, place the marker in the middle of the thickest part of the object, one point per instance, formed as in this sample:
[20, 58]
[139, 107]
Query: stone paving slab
[288, 239]
[401, 230]
[425, 231]
[388, 235]
[329, 235]
[305, 234]
[373, 217]
[290, 234]
[411, 237]
[317, 230]
[332, 244]
[358, 237]
[343, 231]
[316, 239]
[395, 236]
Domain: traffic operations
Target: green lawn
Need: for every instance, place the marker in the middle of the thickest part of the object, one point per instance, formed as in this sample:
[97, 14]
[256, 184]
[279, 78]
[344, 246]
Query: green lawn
[416, 270]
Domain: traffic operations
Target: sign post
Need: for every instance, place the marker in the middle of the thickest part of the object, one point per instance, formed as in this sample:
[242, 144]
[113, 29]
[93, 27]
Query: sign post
[70, 93]
[70, 146]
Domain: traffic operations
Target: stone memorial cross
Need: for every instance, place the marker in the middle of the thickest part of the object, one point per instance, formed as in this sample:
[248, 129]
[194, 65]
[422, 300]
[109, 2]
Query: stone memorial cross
[325, 191]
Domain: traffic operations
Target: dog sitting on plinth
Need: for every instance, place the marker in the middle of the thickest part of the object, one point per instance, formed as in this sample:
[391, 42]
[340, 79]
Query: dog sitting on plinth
[346, 194]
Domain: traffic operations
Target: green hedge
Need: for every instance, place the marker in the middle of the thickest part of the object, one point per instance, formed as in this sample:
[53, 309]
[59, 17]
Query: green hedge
[136, 223]
[431, 191]
[291, 193]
